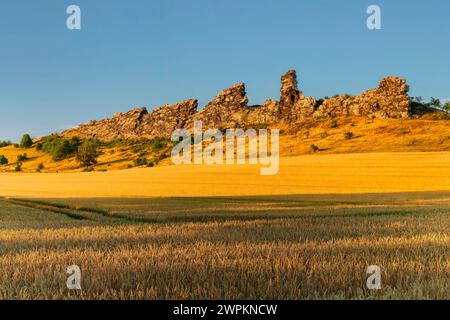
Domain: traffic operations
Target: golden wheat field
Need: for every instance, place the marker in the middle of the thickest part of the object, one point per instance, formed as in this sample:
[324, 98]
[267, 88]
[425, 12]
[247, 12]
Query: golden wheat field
[225, 232]
[293, 247]
[307, 174]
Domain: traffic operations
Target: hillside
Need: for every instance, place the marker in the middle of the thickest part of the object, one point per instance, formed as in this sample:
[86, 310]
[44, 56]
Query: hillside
[330, 136]
[384, 119]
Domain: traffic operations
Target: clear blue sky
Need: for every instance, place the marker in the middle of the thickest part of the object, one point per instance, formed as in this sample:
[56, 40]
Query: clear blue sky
[152, 52]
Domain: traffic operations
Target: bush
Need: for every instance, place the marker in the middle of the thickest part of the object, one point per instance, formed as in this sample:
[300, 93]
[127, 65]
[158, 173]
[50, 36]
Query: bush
[87, 154]
[18, 167]
[26, 141]
[313, 148]
[348, 135]
[60, 148]
[151, 164]
[5, 143]
[22, 157]
[158, 144]
[3, 160]
[39, 167]
[140, 161]
[38, 146]
[334, 124]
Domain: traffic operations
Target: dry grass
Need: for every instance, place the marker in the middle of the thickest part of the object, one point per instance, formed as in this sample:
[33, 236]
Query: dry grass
[308, 174]
[318, 250]
[378, 135]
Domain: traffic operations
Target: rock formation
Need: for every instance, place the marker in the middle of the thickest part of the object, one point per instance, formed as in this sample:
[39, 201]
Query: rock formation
[390, 100]
[230, 109]
[227, 110]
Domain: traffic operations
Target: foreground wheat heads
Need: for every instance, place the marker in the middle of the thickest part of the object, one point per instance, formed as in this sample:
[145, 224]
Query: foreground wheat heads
[278, 247]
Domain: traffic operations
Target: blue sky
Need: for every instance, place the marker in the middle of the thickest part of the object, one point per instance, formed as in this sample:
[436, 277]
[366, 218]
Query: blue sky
[148, 53]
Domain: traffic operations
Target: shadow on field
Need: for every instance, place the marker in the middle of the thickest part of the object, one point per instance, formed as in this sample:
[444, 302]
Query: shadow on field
[242, 208]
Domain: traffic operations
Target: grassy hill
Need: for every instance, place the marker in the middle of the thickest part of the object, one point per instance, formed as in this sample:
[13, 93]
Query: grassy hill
[341, 135]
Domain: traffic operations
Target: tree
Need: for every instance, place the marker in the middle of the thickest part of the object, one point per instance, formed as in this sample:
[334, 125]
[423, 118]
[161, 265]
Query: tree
[3, 160]
[87, 154]
[447, 106]
[435, 103]
[26, 141]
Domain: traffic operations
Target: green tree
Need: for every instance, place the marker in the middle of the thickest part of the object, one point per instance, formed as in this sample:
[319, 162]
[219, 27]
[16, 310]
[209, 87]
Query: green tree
[447, 106]
[26, 141]
[22, 157]
[3, 160]
[87, 154]
[435, 103]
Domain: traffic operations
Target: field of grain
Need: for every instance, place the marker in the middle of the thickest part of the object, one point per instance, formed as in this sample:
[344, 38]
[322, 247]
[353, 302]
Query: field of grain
[265, 247]
[225, 232]
[307, 174]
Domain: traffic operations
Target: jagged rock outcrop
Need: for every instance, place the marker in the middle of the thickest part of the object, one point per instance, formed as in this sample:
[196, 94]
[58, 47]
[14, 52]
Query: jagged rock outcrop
[293, 104]
[389, 100]
[138, 123]
[229, 109]
[164, 120]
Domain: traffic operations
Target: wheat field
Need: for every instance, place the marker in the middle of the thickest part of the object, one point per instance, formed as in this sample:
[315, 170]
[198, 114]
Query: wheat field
[295, 247]
[224, 232]
[307, 174]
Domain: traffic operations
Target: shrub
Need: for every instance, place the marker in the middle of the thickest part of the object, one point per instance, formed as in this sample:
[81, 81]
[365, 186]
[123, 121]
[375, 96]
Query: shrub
[151, 164]
[22, 157]
[60, 148]
[313, 148]
[88, 169]
[447, 106]
[140, 161]
[5, 143]
[158, 144]
[334, 123]
[26, 141]
[3, 160]
[348, 135]
[38, 146]
[87, 154]
[39, 167]
[261, 126]
[18, 167]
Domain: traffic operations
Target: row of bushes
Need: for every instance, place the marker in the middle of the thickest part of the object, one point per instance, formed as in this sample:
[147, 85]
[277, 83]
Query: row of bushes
[85, 151]
[5, 143]
[20, 158]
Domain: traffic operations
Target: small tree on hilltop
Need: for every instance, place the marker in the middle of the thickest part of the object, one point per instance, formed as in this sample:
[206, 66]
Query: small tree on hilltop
[26, 141]
[447, 106]
[436, 103]
[87, 154]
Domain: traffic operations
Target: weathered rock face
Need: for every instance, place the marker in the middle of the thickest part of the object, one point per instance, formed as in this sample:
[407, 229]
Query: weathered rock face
[390, 100]
[293, 104]
[289, 90]
[229, 109]
[138, 123]
[164, 120]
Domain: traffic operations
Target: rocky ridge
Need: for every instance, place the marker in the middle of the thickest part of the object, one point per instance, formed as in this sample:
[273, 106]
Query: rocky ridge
[230, 109]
